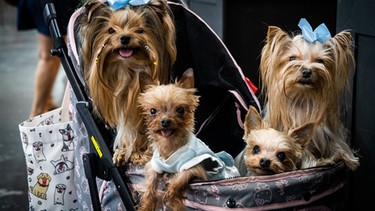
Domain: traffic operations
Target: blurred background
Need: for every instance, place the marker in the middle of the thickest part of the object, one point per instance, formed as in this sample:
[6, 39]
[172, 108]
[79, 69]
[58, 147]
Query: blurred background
[18, 59]
[242, 25]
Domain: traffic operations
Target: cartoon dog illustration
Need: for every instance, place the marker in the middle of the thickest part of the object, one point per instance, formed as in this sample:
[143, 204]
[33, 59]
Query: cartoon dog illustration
[41, 186]
[68, 136]
[62, 165]
[38, 152]
[59, 194]
[47, 121]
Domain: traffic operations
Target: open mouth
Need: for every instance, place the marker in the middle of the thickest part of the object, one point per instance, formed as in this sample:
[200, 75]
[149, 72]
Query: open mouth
[126, 52]
[166, 132]
[305, 82]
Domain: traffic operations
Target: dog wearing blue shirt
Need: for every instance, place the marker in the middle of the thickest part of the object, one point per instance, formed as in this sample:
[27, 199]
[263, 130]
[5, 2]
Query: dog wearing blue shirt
[169, 118]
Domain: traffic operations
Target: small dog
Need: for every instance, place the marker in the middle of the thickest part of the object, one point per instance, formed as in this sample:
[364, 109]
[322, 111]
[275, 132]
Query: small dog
[68, 137]
[303, 80]
[269, 151]
[118, 44]
[41, 186]
[38, 152]
[59, 194]
[169, 111]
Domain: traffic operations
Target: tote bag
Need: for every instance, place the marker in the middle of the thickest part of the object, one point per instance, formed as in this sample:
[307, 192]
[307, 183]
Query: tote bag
[48, 143]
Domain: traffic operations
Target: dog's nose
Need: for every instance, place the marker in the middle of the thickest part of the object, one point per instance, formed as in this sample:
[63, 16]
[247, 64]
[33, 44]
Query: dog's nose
[165, 122]
[306, 73]
[125, 39]
[264, 162]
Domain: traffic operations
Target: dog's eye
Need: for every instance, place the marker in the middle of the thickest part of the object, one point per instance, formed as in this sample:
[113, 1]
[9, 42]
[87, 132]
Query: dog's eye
[281, 156]
[111, 30]
[320, 61]
[180, 110]
[139, 31]
[256, 149]
[152, 111]
[292, 58]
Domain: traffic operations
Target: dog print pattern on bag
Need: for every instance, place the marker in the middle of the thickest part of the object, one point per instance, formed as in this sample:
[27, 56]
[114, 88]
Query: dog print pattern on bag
[68, 136]
[62, 165]
[38, 152]
[48, 146]
[59, 194]
[41, 186]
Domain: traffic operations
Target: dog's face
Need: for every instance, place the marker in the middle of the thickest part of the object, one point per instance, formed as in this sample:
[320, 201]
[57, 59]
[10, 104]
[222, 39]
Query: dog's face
[38, 146]
[294, 67]
[60, 188]
[269, 151]
[125, 50]
[169, 111]
[44, 179]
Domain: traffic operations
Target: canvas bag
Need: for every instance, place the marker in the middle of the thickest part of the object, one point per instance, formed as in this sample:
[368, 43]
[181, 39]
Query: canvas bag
[48, 143]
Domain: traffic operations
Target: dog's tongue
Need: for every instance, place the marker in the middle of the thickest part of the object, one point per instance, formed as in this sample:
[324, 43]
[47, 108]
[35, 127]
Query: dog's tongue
[166, 133]
[126, 52]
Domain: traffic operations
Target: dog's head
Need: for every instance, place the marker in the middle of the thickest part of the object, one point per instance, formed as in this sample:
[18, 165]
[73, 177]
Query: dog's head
[294, 67]
[44, 179]
[60, 188]
[269, 151]
[38, 146]
[120, 43]
[169, 111]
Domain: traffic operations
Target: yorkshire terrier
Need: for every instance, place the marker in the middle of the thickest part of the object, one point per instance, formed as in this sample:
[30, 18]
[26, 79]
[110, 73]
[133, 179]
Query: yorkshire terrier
[118, 43]
[303, 78]
[169, 111]
[269, 151]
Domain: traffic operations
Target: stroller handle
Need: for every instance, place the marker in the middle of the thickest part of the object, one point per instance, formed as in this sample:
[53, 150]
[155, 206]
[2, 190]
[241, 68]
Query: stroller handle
[61, 50]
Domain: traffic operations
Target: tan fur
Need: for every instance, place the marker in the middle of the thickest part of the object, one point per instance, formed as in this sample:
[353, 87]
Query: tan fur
[113, 79]
[269, 151]
[294, 100]
[41, 186]
[175, 103]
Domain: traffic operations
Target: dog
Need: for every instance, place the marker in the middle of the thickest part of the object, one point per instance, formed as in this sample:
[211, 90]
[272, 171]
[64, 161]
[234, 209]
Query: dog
[169, 111]
[38, 152]
[41, 186]
[303, 77]
[269, 151]
[68, 136]
[59, 194]
[62, 165]
[118, 43]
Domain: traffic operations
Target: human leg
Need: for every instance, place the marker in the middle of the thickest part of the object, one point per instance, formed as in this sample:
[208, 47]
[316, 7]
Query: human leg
[45, 75]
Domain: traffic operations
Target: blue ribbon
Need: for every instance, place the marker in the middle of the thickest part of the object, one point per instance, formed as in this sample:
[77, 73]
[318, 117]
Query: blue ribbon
[321, 33]
[117, 4]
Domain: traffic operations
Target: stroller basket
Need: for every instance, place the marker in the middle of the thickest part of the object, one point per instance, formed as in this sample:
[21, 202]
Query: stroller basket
[226, 95]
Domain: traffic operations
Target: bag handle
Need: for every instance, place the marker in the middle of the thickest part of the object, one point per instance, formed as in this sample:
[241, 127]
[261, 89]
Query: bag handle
[65, 115]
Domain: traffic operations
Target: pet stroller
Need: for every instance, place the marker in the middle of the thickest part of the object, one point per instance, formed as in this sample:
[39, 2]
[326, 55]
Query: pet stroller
[226, 95]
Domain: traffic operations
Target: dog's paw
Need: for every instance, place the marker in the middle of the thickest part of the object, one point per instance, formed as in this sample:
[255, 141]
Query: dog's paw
[119, 157]
[141, 158]
[325, 162]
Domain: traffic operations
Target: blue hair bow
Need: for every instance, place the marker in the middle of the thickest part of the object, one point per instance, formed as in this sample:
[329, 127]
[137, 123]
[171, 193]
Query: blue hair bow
[321, 33]
[117, 4]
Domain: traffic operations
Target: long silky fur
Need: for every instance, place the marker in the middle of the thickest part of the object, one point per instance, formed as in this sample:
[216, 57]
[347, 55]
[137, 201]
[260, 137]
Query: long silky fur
[114, 87]
[288, 106]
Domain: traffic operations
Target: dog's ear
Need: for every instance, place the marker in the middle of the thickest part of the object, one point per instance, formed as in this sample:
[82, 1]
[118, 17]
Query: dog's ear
[187, 79]
[253, 120]
[145, 80]
[274, 34]
[303, 134]
[343, 40]
[93, 8]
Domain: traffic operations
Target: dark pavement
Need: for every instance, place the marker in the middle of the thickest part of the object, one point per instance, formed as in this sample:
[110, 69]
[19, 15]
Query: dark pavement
[18, 59]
